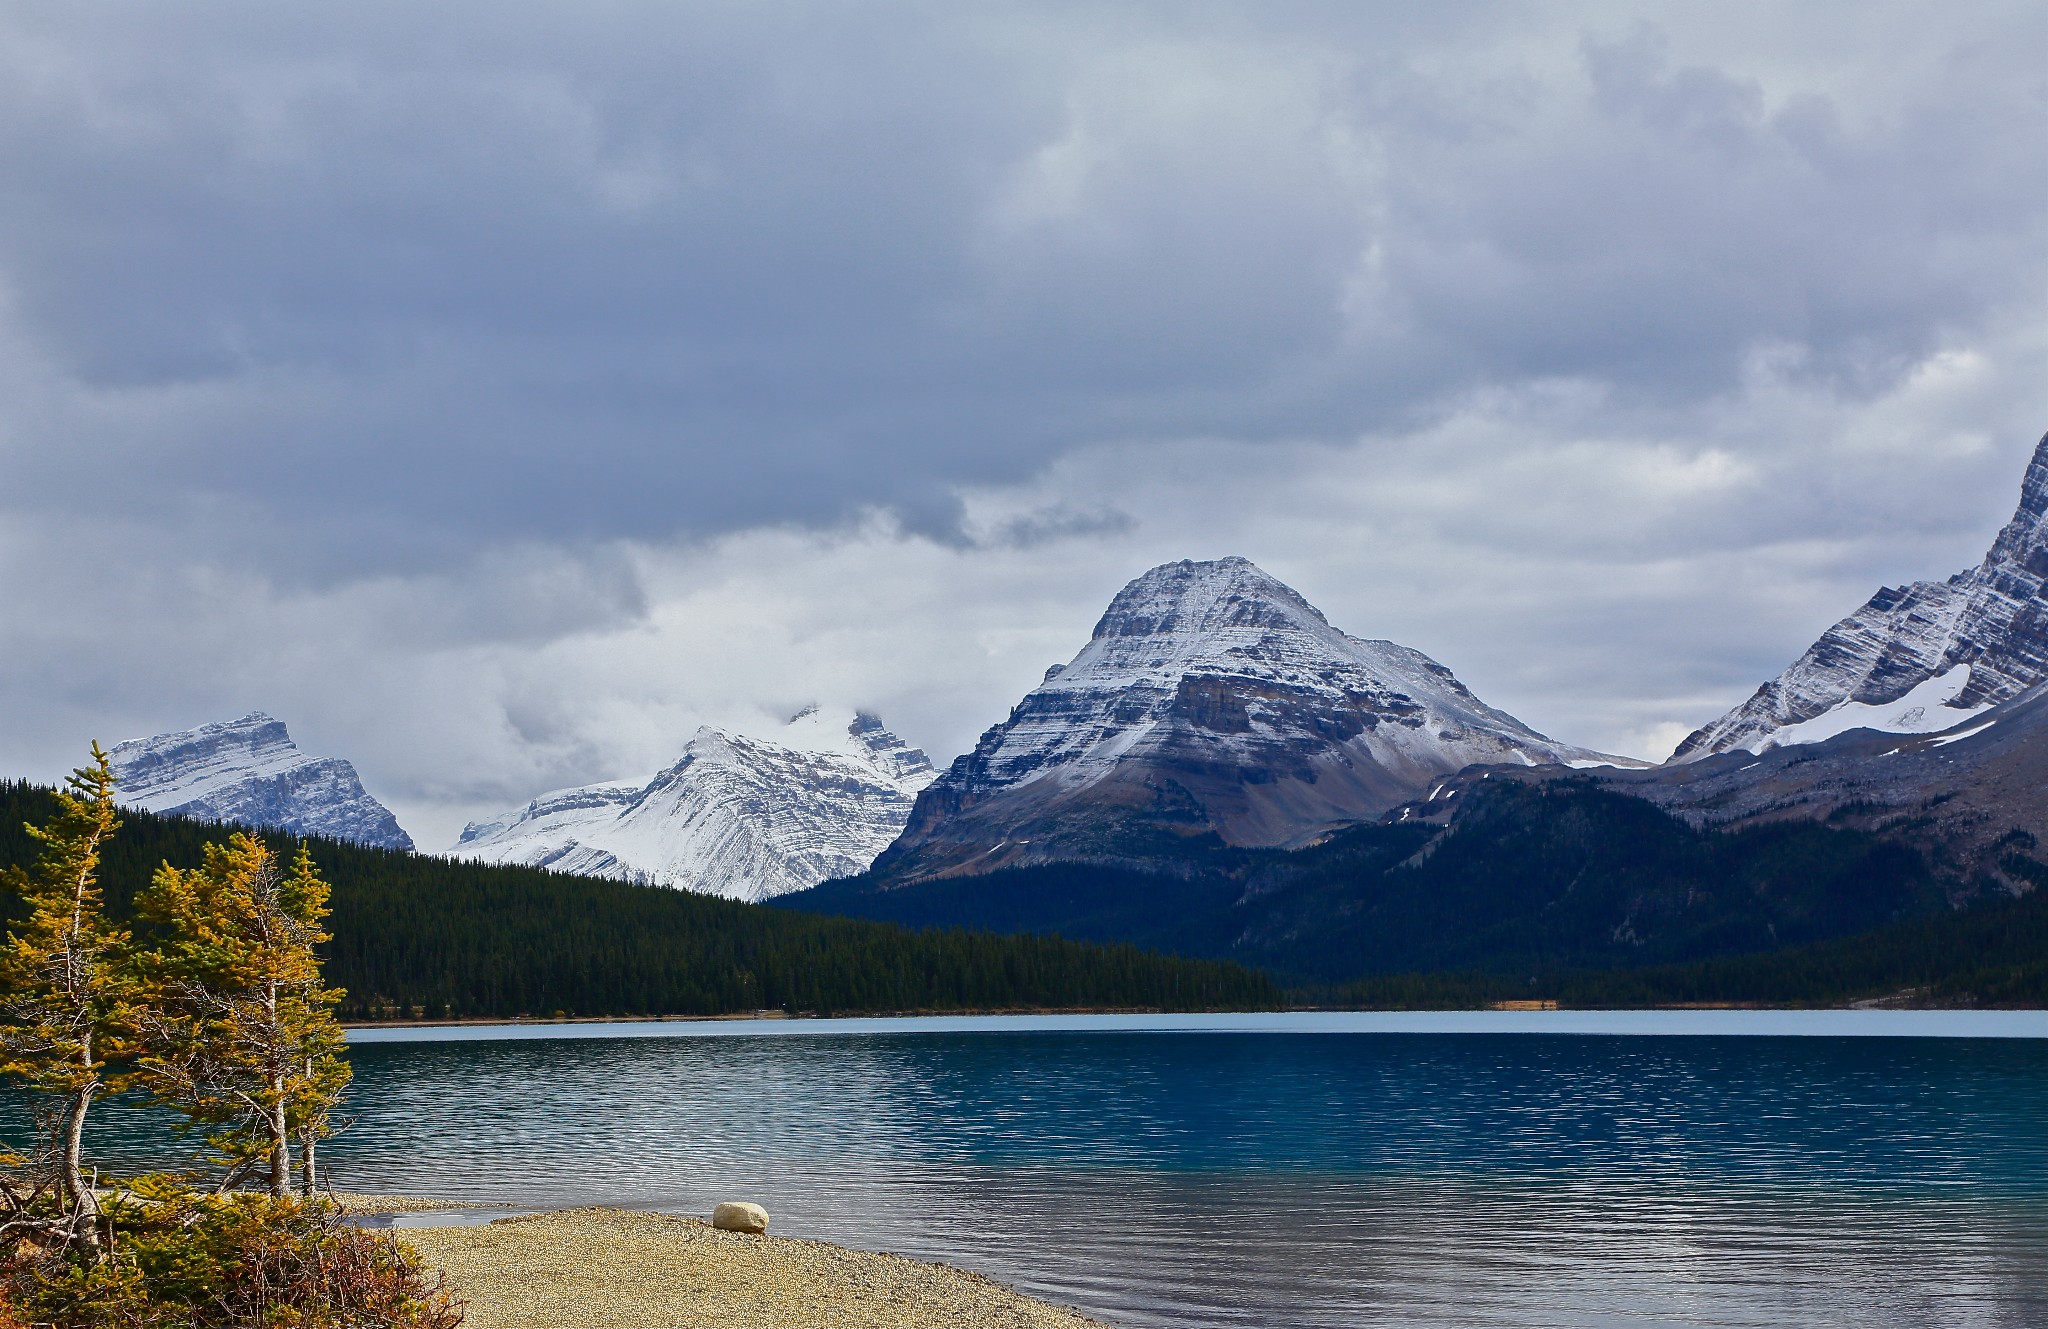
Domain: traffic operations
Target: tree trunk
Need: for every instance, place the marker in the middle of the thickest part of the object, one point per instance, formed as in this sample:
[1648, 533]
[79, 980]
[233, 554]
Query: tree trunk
[280, 1147]
[84, 1202]
[280, 1135]
[309, 1175]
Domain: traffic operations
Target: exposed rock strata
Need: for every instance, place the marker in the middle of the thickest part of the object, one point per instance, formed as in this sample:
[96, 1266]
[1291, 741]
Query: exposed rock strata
[739, 817]
[249, 771]
[1973, 798]
[1211, 698]
[1914, 659]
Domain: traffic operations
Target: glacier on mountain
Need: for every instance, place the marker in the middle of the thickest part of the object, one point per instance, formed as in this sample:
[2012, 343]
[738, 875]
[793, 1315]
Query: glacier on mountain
[740, 817]
[1210, 698]
[249, 771]
[1914, 659]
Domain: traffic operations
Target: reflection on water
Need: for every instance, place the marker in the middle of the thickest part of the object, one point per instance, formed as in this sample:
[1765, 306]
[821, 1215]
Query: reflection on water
[1309, 1179]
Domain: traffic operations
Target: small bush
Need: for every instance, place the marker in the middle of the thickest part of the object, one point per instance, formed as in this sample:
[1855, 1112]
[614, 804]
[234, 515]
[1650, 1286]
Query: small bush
[226, 1262]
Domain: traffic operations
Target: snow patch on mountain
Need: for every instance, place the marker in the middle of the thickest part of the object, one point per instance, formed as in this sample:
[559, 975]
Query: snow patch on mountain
[1986, 629]
[1959, 735]
[1928, 708]
[250, 772]
[740, 817]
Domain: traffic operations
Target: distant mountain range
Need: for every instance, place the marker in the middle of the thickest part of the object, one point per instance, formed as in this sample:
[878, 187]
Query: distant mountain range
[1896, 770]
[1221, 771]
[739, 817]
[250, 772]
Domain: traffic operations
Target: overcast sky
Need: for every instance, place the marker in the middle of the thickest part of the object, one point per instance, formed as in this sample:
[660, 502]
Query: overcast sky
[496, 392]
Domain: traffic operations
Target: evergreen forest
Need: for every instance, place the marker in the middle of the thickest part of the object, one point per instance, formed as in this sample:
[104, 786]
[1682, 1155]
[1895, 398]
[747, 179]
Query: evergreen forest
[427, 938]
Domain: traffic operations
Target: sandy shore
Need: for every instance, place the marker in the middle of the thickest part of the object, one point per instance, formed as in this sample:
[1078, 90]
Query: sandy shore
[613, 1268]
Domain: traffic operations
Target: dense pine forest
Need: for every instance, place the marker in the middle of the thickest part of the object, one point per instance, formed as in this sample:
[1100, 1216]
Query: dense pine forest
[418, 937]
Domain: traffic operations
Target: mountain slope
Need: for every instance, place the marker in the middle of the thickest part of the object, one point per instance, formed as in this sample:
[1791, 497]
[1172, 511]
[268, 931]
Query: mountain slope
[1211, 700]
[1968, 799]
[738, 817]
[249, 771]
[1538, 871]
[1914, 659]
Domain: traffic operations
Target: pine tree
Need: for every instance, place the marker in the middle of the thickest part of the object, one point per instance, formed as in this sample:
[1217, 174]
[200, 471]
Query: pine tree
[64, 1018]
[316, 1037]
[240, 1033]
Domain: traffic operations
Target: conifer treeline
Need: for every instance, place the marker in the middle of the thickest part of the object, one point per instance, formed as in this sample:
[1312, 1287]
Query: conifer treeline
[423, 937]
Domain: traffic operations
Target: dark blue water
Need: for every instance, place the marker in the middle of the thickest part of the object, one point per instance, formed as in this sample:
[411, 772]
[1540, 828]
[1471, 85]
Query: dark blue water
[1255, 1178]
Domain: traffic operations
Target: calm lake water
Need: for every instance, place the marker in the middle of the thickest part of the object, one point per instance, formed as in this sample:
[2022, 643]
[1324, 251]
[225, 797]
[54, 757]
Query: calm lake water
[1686, 1169]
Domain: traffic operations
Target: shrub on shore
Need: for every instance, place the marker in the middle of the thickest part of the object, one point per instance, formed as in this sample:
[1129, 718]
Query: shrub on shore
[218, 1012]
[179, 1259]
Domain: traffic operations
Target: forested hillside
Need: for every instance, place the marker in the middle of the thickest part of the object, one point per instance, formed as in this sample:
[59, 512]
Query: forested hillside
[427, 937]
[1992, 955]
[1558, 880]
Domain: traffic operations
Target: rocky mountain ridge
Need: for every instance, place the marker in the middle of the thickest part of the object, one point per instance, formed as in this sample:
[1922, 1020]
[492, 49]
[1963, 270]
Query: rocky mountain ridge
[1972, 799]
[250, 772]
[739, 817]
[1211, 698]
[1920, 658]
[1922, 717]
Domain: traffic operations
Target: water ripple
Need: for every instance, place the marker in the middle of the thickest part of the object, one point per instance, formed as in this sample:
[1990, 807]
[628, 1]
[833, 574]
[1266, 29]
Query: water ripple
[1229, 1179]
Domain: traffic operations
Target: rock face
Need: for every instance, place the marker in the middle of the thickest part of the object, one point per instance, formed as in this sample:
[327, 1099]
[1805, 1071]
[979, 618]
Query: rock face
[1970, 798]
[249, 771]
[1915, 659]
[738, 817]
[1211, 698]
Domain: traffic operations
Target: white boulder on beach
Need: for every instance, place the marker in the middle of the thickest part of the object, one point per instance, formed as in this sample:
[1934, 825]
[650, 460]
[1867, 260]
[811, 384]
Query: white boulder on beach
[740, 1217]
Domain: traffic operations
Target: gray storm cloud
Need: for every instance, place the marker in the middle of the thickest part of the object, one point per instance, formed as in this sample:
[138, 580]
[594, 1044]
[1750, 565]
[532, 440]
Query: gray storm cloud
[648, 269]
[416, 345]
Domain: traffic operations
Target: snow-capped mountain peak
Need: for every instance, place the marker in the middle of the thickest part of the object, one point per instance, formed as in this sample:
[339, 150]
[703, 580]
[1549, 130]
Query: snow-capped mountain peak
[856, 735]
[743, 817]
[1229, 617]
[1210, 697]
[1914, 659]
[249, 771]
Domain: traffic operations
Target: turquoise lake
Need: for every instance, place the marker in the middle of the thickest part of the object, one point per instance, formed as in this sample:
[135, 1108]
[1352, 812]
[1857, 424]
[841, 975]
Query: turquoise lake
[1663, 1169]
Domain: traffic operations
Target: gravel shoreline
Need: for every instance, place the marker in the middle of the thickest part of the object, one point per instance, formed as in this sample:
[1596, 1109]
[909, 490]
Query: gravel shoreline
[401, 1204]
[622, 1269]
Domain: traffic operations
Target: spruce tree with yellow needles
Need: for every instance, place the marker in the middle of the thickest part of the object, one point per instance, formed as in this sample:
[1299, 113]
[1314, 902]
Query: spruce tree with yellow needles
[64, 1017]
[239, 1032]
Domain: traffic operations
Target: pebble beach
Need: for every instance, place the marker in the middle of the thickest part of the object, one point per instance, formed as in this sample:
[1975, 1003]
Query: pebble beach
[613, 1268]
